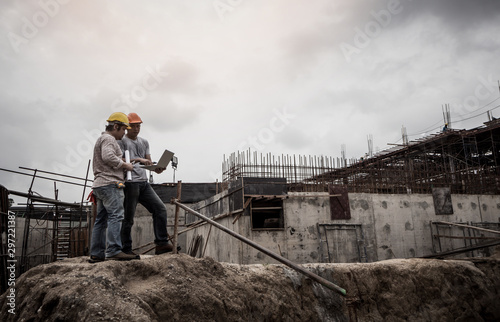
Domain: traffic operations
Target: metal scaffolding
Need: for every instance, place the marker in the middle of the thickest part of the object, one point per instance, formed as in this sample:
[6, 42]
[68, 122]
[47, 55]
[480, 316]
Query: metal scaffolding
[48, 229]
[467, 161]
[296, 169]
[475, 239]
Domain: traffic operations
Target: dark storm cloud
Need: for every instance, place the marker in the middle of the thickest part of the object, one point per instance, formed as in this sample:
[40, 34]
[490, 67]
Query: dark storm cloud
[460, 14]
[200, 80]
[343, 22]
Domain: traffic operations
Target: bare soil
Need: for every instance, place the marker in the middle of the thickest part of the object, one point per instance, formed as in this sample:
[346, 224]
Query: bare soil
[181, 288]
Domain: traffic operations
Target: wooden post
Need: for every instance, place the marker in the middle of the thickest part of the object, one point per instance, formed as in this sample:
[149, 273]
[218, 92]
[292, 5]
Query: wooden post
[176, 222]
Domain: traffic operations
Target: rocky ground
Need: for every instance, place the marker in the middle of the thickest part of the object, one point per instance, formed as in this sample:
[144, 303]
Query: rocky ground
[181, 288]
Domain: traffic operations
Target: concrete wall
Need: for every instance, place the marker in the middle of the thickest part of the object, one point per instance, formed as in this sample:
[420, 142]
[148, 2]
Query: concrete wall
[143, 232]
[390, 226]
[401, 225]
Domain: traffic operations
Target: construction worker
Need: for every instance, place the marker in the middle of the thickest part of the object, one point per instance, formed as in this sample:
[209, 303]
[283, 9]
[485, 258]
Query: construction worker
[107, 190]
[138, 190]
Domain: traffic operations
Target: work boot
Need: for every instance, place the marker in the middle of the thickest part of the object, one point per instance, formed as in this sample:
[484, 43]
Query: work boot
[178, 247]
[129, 252]
[121, 256]
[95, 259]
[162, 249]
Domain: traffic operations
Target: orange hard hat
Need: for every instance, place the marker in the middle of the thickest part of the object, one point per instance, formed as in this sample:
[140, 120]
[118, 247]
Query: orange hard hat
[133, 118]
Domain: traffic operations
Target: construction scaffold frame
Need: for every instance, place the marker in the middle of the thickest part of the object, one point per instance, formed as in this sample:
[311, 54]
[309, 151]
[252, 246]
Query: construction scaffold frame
[475, 239]
[467, 161]
[47, 229]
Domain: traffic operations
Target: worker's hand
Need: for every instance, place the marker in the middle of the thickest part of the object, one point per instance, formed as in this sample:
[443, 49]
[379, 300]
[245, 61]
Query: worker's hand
[159, 170]
[144, 161]
[128, 166]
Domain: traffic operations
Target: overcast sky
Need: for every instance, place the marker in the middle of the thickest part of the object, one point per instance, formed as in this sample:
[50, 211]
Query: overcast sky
[210, 78]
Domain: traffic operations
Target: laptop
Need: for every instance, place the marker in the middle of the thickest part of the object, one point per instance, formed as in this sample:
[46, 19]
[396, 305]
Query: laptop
[165, 159]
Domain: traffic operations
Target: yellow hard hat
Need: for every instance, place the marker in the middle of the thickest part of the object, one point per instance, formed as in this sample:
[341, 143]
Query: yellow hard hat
[119, 117]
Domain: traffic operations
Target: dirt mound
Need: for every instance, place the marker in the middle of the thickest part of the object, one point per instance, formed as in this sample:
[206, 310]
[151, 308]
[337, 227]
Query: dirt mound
[182, 288]
[161, 288]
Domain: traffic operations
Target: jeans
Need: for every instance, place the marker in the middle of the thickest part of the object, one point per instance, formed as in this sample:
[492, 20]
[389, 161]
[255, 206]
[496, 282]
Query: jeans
[108, 223]
[141, 192]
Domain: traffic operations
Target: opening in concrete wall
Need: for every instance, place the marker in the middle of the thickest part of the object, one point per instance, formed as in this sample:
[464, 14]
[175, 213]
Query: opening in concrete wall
[339, 202]
[267, 214]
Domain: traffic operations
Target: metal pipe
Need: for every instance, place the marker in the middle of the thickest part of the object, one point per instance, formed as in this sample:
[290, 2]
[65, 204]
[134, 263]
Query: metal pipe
[46, 178]
[57, 174]
[81, 211]
[467, 226]
[85, 184]
[29, 208]
[277, 257]
[461, 250]
[44, 199]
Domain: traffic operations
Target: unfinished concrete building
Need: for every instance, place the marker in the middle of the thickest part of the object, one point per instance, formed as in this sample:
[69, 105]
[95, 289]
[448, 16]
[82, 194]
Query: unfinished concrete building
[436, 196]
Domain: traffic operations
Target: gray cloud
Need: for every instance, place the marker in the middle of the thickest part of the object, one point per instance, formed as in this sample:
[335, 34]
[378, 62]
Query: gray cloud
[225, 78]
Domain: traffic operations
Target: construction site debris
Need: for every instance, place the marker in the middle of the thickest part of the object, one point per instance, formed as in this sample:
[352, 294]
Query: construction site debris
[181, 288]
